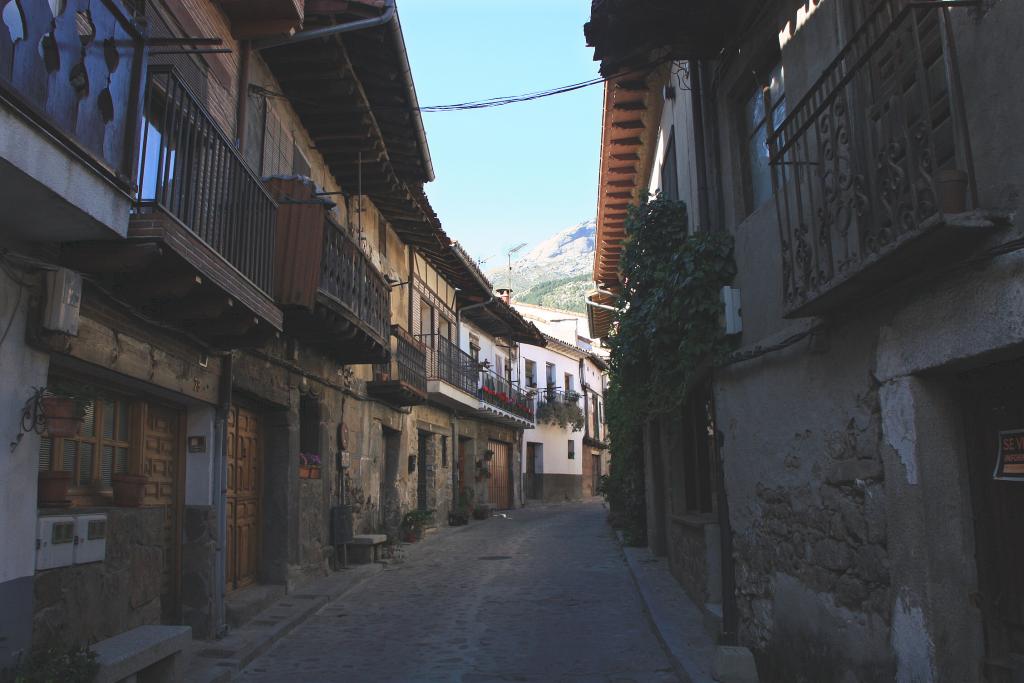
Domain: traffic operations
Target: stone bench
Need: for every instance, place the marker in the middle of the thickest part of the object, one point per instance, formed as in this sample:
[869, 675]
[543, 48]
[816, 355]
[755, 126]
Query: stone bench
[365, 548]
[147, 654]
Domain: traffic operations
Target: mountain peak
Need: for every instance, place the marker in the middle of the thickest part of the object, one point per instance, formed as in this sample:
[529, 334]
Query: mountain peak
[556, 271]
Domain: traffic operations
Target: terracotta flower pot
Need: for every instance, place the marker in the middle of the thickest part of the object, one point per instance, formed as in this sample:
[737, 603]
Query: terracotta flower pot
[129, 490]
[951, 184]
[53, 488]
[314, 472]
[62, 416]
[304, 472]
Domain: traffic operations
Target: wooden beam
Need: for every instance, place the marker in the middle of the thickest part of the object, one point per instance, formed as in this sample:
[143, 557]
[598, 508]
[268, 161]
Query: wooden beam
[124, 257]
[197, 306]
[162, 286]
[630, 124]
[631, 105]
[631, 141]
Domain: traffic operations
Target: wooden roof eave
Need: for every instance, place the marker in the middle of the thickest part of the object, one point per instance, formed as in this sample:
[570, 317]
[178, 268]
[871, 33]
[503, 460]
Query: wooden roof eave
[628, 133]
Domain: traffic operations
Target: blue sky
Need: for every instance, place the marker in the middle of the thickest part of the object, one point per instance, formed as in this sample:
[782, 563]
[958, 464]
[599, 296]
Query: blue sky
[517, 173]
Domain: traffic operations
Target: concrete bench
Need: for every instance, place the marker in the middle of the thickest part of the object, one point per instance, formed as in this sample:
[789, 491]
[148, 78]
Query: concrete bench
[147, 654]
[365, 548]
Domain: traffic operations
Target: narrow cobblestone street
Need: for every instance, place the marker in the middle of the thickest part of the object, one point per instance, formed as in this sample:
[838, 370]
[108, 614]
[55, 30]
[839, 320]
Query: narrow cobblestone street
[543, 595]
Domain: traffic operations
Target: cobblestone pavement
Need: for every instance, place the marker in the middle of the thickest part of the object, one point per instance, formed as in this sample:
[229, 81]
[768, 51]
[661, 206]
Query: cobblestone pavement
[542, 596]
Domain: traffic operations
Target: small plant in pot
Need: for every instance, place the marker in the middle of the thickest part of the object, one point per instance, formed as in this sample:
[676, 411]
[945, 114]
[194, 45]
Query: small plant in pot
[481, 512]
[414, 523]
[309, 466]
[62, 406]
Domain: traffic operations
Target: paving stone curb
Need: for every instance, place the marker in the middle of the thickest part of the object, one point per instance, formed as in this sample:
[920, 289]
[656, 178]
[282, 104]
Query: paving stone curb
[676, 621]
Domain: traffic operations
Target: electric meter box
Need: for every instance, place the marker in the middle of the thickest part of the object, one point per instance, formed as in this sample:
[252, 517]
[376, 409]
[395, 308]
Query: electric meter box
[55, 542]
[90, 538]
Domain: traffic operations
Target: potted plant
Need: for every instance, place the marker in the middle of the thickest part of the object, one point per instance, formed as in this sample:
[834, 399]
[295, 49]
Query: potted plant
[481, 512]
[62, 407]
[414, 523]
[53, 488]
[309, 466]
[129, 489]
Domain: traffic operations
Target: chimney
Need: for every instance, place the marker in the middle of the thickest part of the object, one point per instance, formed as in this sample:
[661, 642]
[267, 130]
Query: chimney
[505, 295]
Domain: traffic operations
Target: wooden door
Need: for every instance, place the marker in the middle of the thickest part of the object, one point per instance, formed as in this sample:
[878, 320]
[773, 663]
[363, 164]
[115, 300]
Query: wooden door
[996, 406]
[466, 469]
[422, 472]
[531, 469]
[499, 486]
[244, 514]
[161, 455]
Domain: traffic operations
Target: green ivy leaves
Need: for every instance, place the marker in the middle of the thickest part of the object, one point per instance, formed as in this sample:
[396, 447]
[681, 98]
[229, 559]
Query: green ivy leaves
[668, 327]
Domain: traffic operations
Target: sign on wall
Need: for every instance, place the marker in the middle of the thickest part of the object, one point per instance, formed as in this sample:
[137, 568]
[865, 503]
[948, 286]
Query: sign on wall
[1010, 460]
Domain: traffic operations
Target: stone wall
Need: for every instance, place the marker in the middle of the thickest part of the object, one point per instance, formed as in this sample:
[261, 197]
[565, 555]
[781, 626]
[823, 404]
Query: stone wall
[90, 602]
[199, 576]
[558, 488]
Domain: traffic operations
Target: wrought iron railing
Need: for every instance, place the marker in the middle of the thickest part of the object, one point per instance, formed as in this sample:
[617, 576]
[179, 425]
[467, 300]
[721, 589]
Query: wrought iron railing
[501, 393]
[347, 276]
[191, 170]
[449, 363]
[78, 74]
[553, 394]
[862, 162]
[408, 361]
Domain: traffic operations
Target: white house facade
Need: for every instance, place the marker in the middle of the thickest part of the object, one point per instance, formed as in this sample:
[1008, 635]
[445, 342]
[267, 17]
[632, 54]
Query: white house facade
[565, 455]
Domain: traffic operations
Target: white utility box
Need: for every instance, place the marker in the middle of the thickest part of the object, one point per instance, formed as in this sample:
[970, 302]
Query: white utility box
[63, 301]
[732, 310]
[90, 538]
[55, 542]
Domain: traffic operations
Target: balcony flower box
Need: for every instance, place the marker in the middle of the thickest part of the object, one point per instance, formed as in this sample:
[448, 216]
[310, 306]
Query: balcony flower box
[129, 490]
[53, 488]
[309, 466]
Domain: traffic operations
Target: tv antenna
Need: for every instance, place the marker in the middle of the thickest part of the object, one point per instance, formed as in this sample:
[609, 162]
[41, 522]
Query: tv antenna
[512, 251]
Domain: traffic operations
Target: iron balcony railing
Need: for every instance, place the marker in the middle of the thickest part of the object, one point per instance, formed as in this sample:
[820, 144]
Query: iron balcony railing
[501, 393]
[862, 162]
[449, 363]
[191, 170]
[347, 276]
[408, 361]
[75, 68]
[552, 394]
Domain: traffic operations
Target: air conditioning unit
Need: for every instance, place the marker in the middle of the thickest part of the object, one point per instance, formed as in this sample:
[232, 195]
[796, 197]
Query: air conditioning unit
[55, 542]
[90, 538]
[732, 310]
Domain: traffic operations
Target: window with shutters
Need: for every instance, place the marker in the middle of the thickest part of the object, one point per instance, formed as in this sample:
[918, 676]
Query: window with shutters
[762, 115]
[572, 449]
[101, 448]
[531, 373]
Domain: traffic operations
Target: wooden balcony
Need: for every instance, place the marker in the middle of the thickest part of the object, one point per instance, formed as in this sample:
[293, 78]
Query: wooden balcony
[402, 381]
[333, 297]
[200, 244]
[453, 376]
[872, 171]
[261, 18]
[78, 75]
